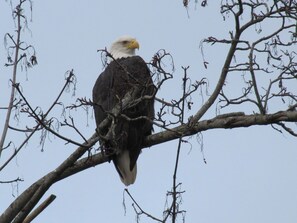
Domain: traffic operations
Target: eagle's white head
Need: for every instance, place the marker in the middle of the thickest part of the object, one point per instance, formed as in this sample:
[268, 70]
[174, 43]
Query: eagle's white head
[124, 47]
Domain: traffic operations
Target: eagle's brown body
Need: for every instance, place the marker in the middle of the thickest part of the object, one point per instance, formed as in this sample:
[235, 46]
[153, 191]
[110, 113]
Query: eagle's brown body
[125, 75]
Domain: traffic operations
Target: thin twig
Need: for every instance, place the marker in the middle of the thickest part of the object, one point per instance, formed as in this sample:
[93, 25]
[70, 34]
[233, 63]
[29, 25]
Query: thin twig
[68, 80]
[14, 75]
[141, 210]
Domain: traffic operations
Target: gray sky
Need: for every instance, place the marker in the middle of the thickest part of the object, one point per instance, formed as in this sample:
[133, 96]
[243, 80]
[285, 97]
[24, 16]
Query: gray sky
[250, 175]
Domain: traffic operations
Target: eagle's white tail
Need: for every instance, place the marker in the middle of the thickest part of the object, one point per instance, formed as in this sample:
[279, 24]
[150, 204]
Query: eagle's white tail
[122, 164]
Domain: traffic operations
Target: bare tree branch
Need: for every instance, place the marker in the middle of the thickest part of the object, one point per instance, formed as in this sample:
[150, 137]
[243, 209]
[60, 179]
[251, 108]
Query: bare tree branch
[17, 43]
[40, 209]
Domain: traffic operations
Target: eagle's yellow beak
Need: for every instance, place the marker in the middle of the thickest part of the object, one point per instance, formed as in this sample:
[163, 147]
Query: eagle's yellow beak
[133, 44]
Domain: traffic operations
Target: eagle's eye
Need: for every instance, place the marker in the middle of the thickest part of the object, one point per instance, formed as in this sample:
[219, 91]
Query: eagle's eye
[125, 42]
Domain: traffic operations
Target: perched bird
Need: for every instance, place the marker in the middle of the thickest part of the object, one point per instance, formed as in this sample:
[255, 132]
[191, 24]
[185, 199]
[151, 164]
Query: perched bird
[125, 73]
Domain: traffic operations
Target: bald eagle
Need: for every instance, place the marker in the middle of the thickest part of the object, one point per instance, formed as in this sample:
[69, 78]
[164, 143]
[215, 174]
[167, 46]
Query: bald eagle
[125, 73]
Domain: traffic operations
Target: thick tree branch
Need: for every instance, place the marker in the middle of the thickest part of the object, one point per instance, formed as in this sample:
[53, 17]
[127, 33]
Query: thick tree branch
[220, 122]
[40, 208]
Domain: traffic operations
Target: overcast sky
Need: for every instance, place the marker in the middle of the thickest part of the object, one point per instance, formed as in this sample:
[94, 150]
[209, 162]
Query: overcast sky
[250, 175]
